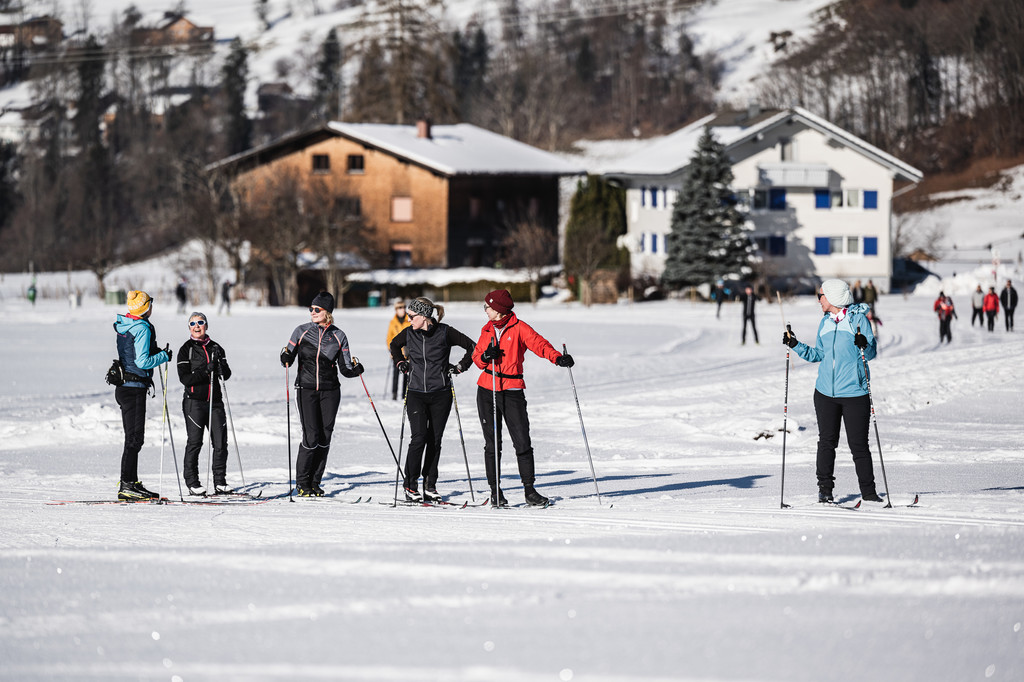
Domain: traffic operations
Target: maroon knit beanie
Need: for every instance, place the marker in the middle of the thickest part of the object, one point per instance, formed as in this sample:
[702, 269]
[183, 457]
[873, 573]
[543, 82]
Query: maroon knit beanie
[500, 301]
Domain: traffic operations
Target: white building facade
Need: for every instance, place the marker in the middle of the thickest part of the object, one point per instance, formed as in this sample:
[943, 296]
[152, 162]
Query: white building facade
[819, 198]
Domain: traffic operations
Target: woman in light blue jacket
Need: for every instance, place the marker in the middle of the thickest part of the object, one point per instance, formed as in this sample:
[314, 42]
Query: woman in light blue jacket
[841, 391]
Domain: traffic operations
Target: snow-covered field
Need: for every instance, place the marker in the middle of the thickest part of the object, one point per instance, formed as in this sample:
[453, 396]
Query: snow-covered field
[688, 569]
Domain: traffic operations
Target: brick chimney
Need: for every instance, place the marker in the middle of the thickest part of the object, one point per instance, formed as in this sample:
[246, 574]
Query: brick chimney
[423, 129]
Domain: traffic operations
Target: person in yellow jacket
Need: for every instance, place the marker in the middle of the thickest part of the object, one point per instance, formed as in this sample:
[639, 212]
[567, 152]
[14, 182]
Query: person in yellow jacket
[399, 322]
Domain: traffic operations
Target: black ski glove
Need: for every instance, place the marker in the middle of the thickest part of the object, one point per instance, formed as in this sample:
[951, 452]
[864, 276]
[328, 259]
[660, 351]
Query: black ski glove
[357, 368]
[492, 354]
[287, 357]
[225, 371]
[403, 366]
[453, 369]
[170, 353]
[789, 338]
[860, 340]
[564, 360]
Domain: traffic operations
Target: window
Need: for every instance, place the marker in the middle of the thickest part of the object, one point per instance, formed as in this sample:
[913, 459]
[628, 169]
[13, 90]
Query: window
[401, 209]
[786, 149]
[771, 245]
[849, 246]
[654, 243]
[321, 163]
[474, 207]
[777, 199]
[356, 164]
[760, 199]
[348, 207]
[654, 197]
[845, 198]
[401, 255]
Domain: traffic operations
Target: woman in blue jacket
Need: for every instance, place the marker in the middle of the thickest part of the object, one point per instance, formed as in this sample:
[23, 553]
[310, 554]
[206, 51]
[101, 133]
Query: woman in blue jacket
[841, 391]
[139, 355]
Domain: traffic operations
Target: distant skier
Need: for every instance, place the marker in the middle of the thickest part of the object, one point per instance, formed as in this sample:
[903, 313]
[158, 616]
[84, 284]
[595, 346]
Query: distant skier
[502, 346]
[225, 297]
[946, 312]
[422, 351]
[199, 360]
[139, 355]
[1008, 297]
[181, 293]
[977, 307]
[991, 307]
[841, 393]
[871, 294]
[748, 298]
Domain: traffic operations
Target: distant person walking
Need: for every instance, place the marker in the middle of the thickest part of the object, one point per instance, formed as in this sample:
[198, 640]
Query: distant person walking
[871, 295]
[1008, 297]
[181, 293]
[991, 307]
[225, 297]
[945, 311]
[31, 293]
[399, 322]
[749, 299]
[841, 391]
[322, 352]
[858, 292]
[718, 295]
[977, 307]
[139, 356]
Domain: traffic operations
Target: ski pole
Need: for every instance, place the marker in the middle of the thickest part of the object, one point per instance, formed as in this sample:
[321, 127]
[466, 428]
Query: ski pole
[163, 425]
[231, 420]
[586, 443]
[401, 438]
[170, 436]
[288, 402]
[209, 430]
[465, 455]
[398, 466]
[496, 493]
[874, 420]
[387, 375]
[785, 419]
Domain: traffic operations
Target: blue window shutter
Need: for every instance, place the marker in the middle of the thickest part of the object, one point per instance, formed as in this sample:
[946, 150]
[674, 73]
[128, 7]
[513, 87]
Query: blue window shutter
[821, 199]
[654, 243]
[870, 199]
[870, 246]
[776, 246]
[643, 196]
[654, 197]
[777, 199]
[821, 247]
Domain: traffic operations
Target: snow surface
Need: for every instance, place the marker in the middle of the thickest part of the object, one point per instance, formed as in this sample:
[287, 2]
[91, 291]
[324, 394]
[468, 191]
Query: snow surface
[688, 569]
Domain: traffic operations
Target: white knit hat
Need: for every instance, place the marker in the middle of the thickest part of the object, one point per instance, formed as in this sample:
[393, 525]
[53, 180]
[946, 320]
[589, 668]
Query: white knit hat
[837, 292]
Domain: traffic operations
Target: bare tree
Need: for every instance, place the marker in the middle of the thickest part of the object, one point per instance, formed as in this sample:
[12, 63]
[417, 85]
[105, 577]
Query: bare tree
[530, 246]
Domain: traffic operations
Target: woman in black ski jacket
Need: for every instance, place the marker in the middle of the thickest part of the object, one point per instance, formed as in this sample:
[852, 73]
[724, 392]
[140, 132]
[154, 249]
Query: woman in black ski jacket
[201, 363]
[428, 345]
[322, 352]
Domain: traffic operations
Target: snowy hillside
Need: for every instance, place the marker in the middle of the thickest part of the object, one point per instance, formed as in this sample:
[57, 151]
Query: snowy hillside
[737, 32]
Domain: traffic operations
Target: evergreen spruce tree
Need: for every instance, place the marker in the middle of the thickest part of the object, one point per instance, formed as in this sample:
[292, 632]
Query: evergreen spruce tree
[235, 73]
[328, 78]
[707, 241]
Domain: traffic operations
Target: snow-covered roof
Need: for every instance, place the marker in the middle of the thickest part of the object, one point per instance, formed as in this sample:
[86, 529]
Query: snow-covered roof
[669, 154]
[460, 149]
[442, 277]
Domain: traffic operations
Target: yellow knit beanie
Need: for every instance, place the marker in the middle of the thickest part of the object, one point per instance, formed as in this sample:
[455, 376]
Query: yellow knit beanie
[139, 303]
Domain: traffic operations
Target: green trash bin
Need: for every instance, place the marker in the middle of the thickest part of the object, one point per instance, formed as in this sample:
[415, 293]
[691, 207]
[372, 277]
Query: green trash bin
[116, 297]
[373, 299]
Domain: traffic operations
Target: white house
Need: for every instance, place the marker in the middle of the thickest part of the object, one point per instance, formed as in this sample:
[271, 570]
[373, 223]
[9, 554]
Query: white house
[819, 198]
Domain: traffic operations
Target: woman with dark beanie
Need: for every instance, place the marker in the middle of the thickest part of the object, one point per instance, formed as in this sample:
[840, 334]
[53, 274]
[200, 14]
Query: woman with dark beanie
[322, 352]
[499, 353]
[428, 345]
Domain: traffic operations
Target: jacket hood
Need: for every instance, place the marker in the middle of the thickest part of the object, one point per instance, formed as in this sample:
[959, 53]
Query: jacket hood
[125, 323]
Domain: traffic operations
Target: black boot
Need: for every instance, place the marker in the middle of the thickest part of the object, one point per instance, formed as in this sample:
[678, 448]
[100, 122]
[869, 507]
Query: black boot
[534, 498]
[825, 495]
[498, 499]
[870, 496]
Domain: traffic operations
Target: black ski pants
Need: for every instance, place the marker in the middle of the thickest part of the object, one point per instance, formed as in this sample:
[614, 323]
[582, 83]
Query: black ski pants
[428, 415]
[753, 325]
[1008, 318]
[855, 414]
[991, 315]
[197, 417]
[132, 401]
[317, 413]
[512, 408]
[977, 314]
[945, 330]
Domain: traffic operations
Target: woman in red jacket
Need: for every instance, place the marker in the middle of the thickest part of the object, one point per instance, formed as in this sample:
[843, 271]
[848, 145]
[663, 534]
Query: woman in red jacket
[990, 305]
[499, 353]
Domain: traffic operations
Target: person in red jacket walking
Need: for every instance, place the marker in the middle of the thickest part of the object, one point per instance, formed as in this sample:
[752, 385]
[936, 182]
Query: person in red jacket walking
[503, 342]
[990, 305]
